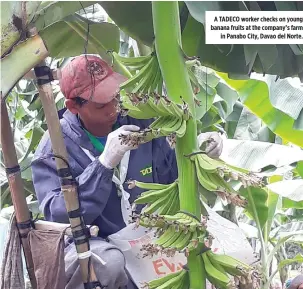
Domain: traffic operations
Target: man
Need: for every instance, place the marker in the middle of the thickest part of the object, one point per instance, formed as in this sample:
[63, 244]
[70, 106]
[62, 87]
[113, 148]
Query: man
[296, 283]
[91, 127]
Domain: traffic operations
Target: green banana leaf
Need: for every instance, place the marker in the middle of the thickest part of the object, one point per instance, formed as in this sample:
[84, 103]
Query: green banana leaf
[262, 205]
[257, 207]
[288, 229]
[240, 60]
[254, 94]
[237, 60]
[36, 135]
[292, 189]
[285, 95]
[272, 203]
[298, 259]
[257, 155]
[132, 17]
[68, 38]
[250, 127]
[52, 11]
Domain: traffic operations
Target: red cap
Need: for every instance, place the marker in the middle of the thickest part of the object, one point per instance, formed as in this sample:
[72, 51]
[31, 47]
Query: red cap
[91, 78]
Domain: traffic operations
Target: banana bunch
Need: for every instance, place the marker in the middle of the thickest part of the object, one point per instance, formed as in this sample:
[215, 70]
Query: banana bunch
[214, 175]
[177, 280]
[161, 199]
[141, 95]
[145, 106]
[183, 232]
[176, 233]
[148, 78]
[163, 126]
[229, 264]
[169, 125]
[218, 266]
[135, 63]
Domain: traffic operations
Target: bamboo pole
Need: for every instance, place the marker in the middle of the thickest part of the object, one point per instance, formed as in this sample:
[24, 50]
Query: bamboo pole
[68, 187]
[13, 174]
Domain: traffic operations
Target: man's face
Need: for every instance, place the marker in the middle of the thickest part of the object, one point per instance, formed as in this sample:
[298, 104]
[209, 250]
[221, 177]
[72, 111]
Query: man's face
[95, 114]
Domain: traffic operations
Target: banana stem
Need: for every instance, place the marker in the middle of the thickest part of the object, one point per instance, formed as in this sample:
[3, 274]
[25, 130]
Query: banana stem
[265, 267]
[168, 48]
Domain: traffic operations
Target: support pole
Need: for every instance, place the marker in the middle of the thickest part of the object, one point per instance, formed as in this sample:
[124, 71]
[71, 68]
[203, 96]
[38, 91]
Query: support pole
[13, 174]
[68, 187]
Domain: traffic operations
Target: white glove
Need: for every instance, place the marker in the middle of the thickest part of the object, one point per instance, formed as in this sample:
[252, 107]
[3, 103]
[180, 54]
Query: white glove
[114, 150]
[214, 143]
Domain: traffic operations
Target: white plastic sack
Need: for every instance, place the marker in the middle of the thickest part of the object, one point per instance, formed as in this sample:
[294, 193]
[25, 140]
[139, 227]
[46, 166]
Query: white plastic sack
[229, 239]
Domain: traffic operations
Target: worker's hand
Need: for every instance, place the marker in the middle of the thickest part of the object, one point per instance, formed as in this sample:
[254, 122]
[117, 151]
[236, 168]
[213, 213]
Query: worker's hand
[114, 150]
[213, 142]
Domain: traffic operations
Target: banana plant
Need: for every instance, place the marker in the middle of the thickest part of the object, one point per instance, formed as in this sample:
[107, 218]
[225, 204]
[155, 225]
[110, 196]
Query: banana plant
[34, 31]
[166, 87]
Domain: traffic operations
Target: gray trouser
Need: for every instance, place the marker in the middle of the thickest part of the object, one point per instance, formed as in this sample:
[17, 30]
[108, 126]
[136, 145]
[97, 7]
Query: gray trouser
[112, 275]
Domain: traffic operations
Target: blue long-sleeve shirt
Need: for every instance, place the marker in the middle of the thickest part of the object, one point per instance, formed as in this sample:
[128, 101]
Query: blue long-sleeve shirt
[100, 203]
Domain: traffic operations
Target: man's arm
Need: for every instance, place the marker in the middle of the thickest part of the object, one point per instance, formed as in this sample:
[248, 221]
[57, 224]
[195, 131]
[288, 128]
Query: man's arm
[94, 183]
[94, 188]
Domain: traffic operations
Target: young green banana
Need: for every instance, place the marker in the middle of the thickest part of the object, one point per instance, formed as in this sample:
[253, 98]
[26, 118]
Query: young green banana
[231, 265]
[134, 62]
[155, 195]
[216, 277]
[154, 284]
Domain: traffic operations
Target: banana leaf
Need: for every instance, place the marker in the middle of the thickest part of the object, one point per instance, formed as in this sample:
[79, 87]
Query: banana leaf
[68, 38]
[288, 229]
[292, 189]
[254, 94]
[257, 155]
[297, 259]
[257, 207]
[286, 95]
[52, 11]
[237, 60]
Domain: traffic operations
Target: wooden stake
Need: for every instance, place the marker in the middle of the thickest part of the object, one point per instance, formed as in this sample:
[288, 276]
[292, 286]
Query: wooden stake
[68, 187]
[13, 174]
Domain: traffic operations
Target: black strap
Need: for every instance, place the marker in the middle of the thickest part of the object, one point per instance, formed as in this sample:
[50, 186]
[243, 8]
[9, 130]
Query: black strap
[93, 285]
[13, 170]
[25, 225]
[64, 173]
[83, 232]
[67, 182]
[75, 213]
[81, 241]
[42, 71]
[81, 236]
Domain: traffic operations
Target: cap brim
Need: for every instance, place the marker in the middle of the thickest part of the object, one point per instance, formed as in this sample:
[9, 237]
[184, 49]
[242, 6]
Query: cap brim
[106, 90]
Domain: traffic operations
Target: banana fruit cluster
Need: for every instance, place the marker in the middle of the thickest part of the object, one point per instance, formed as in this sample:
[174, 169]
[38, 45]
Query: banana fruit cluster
[146, 106]
[219, 267]
[169, 126]
[176, 233]
[183, 233]
[161, 199]
[177, 280]
[148, 78]
[214, 175]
